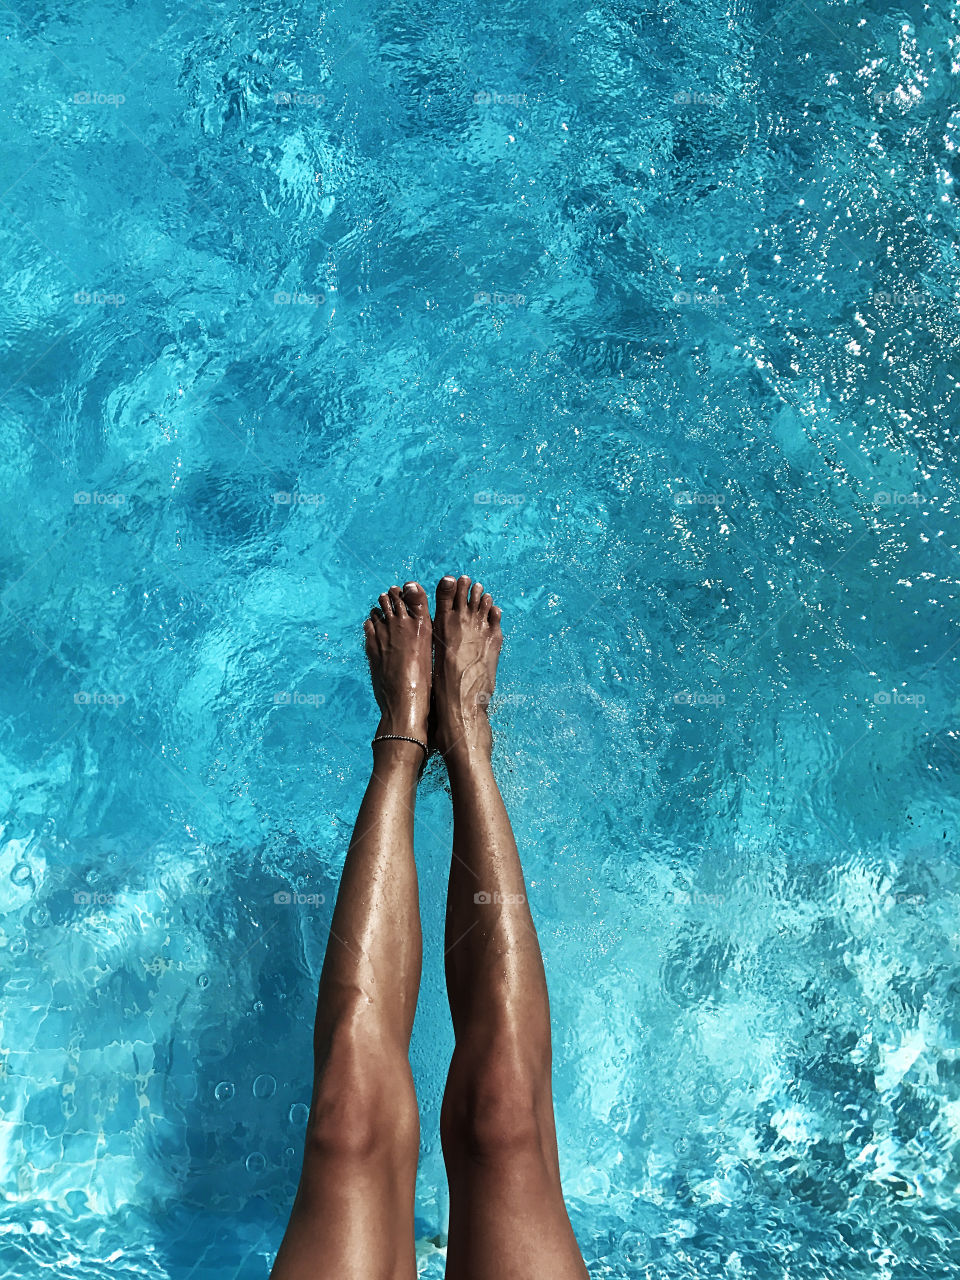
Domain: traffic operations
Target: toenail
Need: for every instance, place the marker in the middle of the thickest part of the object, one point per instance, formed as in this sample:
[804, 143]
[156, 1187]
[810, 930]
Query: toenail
[448, 577]
[408, 586]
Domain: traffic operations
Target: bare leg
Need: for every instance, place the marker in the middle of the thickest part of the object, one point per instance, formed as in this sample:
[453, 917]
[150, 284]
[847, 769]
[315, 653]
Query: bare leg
[507, 1215]
[353, 1214]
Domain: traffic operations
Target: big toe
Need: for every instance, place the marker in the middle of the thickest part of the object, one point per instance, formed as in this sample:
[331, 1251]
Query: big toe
[415, 598]
[446, 589]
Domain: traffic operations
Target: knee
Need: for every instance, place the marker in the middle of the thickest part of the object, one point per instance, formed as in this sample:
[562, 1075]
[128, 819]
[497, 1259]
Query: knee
[496, 1105]
[364, 1102]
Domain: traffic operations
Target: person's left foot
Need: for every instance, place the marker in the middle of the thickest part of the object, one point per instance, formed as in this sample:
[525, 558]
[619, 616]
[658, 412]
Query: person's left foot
[398, 644]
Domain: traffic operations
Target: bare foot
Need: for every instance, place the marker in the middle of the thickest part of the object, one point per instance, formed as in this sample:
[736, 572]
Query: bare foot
[466, 644]
[398, 645]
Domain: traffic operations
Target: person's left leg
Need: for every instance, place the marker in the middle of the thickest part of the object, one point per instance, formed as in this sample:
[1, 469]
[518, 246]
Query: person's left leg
[353, 1215]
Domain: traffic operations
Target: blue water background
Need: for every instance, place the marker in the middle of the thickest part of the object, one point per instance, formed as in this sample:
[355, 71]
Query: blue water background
[644, 315]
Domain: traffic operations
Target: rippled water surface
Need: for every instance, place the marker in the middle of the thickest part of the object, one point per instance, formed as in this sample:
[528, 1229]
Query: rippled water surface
[645, 315]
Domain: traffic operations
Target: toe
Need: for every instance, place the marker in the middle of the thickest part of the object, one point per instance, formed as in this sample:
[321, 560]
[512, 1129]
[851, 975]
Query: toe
[494, 616]
[373, 631]
[386, 604]
[476, 591]
[446, 589]
[415, 598]
[463, 590]
[486, 600]
[396, 599]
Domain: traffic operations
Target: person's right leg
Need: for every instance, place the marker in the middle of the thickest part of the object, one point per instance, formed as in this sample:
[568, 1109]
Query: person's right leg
[508, 1220]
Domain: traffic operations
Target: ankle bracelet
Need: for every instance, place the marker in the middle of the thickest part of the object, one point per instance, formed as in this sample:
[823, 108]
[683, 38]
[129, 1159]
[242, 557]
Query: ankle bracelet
[401, 737]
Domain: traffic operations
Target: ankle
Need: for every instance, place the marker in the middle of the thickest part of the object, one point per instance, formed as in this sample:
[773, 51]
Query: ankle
[466, 759]
[397, 755]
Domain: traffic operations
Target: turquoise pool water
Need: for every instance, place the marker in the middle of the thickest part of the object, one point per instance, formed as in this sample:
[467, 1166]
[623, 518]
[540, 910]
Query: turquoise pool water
[645, 315]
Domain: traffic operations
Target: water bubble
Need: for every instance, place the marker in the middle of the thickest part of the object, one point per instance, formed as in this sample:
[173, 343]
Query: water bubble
[224, 1091]
[18, 946]
[203, 980]
[620, 1116]
[41, 917]
[681, 1145]
[264, 1086]
[256, 1162]
[92, 876]
[710, 1094]
[298, 1113]
[21, 873]
[258, 1006]
[633, 1247]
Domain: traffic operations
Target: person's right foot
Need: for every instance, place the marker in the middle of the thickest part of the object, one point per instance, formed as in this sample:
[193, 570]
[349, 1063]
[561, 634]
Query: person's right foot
[466, 646]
